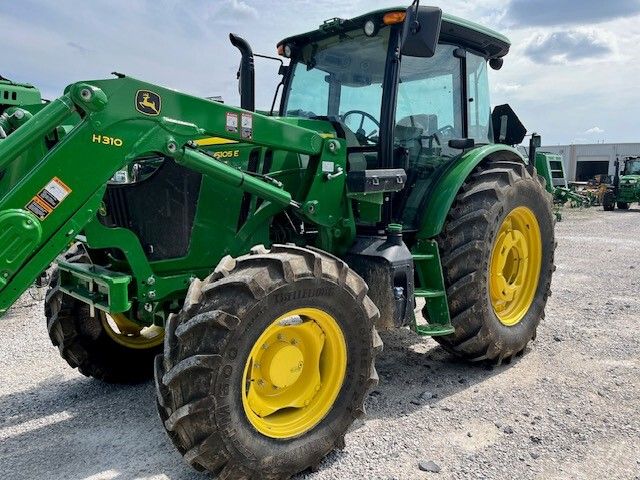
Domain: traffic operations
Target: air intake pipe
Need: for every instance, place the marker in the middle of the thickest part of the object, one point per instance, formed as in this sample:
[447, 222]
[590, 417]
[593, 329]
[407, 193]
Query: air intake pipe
[246, 73]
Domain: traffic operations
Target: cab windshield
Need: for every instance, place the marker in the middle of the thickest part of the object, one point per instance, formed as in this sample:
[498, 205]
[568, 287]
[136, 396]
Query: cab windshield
[632, 167]
[341, 77]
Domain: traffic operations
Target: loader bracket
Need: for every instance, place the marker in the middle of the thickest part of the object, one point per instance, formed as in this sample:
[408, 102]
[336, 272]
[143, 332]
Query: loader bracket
[96, 286]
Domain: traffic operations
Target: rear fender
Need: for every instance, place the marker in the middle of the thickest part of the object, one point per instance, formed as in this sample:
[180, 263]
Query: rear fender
[437, 203]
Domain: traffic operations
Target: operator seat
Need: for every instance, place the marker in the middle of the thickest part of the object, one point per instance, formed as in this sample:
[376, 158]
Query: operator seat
[410, 131]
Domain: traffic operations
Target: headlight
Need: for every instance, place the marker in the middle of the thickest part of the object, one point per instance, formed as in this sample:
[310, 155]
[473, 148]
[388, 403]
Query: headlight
[631, 181]
[370, 28]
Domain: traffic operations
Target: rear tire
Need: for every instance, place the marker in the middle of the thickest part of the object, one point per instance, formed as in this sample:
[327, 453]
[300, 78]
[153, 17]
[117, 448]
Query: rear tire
[623, 205]
[84, 343]
[496, 190]
[203, 376]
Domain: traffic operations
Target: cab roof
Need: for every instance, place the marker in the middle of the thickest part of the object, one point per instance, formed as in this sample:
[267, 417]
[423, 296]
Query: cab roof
[483, 40]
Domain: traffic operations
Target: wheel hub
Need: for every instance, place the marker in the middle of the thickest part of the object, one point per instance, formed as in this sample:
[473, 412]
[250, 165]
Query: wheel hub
[286, 366]
[294, 373]
[515, 266]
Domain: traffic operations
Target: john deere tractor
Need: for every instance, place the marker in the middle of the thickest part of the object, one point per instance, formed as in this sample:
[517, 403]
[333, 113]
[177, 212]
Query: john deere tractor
[13, 95]
[625, 189]
[249, 260]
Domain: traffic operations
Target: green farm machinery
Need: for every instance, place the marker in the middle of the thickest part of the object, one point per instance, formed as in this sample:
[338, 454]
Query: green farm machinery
[12, 96]
[625, 189]
[249, 260]
[551, 168]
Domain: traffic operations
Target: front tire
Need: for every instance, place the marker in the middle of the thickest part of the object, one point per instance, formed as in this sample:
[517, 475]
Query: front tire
[93, 344]
[497, 250]
[245, 388]
[622, 205]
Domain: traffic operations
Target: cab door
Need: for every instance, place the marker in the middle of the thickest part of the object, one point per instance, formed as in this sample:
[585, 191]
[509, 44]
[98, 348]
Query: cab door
[429, 113]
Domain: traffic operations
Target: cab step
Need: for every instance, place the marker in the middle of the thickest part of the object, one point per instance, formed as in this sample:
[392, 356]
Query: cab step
[434, 330]
[428, 293]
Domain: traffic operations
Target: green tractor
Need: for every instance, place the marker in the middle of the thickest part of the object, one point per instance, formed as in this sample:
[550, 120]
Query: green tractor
[249, 260]
[625, 189]
[12, 96]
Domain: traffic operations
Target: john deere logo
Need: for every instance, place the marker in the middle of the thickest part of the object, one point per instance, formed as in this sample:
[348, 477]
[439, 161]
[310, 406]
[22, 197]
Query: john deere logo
[148, 102]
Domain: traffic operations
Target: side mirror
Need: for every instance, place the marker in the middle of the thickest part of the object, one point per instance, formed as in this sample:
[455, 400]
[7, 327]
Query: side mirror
[421, 31]
[507, 127]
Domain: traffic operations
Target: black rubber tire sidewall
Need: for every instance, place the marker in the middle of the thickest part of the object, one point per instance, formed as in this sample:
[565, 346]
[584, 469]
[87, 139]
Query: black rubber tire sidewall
[293, 454]
[524, 193]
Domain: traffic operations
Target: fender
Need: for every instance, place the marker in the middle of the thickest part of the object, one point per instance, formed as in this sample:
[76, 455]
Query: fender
[438, 201]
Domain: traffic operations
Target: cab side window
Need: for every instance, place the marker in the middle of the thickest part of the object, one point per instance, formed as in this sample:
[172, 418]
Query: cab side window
[479, 105]
[428, 111]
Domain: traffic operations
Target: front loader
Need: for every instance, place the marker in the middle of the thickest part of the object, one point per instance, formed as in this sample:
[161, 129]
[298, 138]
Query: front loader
[258, 255]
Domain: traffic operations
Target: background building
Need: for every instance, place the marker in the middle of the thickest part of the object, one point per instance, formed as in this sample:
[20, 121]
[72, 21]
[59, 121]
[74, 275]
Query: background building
[582, 162]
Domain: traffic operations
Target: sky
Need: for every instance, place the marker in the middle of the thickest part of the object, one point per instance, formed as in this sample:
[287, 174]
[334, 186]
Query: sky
[573, 73]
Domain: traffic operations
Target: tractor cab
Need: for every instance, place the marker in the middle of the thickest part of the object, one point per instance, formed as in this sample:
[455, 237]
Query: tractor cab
[631, 167]
[397, 106]
[629, 183]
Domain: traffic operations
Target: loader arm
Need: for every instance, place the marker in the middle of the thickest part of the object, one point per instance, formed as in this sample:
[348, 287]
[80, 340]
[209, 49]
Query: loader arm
[124, 119]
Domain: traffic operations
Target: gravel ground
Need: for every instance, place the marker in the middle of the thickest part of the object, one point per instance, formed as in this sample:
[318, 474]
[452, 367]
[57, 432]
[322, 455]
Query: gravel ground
[570, 408]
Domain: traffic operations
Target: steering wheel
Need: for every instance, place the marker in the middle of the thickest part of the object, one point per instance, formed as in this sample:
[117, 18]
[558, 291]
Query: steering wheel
[444, 132]
[360, 133]
[447, 131]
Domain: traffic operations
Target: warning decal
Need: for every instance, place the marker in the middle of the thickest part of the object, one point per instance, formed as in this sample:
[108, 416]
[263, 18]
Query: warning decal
[247, 126]
[54, 192]
[49, 198]
[38, 208]
[232, 122]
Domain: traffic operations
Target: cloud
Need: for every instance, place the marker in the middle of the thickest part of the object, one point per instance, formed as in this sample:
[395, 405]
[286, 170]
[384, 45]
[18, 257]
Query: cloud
[233, 11]
[594, 131]
[528, 13]
[570, 46]
[507, 87]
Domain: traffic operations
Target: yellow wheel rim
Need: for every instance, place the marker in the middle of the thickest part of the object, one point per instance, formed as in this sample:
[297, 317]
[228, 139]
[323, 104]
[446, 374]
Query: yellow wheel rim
[130, 334]
[294, 373]
[515, 266]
